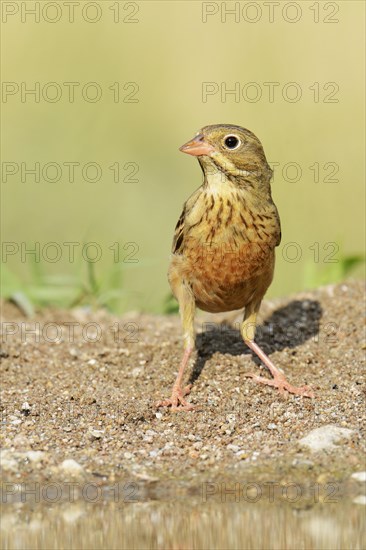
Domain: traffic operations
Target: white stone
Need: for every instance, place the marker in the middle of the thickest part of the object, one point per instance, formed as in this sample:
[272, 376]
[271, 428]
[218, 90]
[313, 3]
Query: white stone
[136, 372]
[35, 456]
[128, 455]
[272, 426]
[359, 476]
[96, 434]
[325, 438]
[70, 466]
[232, 447]
[7, 461]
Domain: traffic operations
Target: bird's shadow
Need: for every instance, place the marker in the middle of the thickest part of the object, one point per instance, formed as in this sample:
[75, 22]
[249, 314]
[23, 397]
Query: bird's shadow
[287, 327]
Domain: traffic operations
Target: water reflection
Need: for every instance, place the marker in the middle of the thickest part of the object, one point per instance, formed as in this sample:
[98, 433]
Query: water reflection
[182, 525]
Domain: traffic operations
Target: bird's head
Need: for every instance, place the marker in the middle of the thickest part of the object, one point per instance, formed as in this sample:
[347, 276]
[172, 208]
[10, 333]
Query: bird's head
[233, 150]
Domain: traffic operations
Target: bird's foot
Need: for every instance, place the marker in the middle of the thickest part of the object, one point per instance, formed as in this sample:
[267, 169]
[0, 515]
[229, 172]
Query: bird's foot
[280, 382]
[177, 401]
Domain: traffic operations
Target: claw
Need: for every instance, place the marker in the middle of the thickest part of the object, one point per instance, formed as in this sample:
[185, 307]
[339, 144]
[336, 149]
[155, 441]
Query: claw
[282, 385]
[177, 401]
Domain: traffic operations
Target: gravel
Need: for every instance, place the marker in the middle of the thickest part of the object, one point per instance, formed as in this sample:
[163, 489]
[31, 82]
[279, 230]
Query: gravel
[79, 389]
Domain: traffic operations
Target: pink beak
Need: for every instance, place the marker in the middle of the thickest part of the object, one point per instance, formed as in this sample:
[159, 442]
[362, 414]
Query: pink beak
[197, 146]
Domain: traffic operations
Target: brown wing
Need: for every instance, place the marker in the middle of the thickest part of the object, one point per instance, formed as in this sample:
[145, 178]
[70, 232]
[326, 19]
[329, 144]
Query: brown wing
[273, 222]
[183, 227]
[279, 238]
[179, 234]
[278, 226]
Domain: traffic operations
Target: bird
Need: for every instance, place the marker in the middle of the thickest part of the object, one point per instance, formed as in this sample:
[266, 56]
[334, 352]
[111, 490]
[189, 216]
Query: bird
[223, 251]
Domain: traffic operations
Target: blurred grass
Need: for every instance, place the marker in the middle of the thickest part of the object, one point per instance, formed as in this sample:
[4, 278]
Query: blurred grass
[170, 53]
[334, 272]
[85, 288]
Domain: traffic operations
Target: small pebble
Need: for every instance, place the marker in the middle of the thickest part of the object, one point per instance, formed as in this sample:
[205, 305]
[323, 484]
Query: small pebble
[25, 407]
[232, 447]
[35, 456]
[359, 476]
[96, 434]
[7, 461]
[136, 372]
[70, 466]
[127, 455]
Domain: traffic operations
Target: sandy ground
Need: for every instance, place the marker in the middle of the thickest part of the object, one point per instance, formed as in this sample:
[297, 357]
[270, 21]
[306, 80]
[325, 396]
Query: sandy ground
[82, 386]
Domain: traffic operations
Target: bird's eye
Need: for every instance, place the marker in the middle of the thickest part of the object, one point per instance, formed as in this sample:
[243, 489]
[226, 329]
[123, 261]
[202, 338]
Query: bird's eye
[231, 142]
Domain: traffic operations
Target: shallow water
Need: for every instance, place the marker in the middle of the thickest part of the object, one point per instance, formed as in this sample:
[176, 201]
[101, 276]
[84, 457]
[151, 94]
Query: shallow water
[215, 521]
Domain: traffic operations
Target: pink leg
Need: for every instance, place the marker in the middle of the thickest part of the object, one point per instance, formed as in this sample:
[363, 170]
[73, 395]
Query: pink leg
[177, 401]
[279, 381]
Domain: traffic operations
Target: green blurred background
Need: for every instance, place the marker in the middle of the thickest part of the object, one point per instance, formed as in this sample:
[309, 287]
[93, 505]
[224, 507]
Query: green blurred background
[169, 52]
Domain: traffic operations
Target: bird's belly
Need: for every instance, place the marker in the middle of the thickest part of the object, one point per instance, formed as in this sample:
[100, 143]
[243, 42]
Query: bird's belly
[224, 277]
